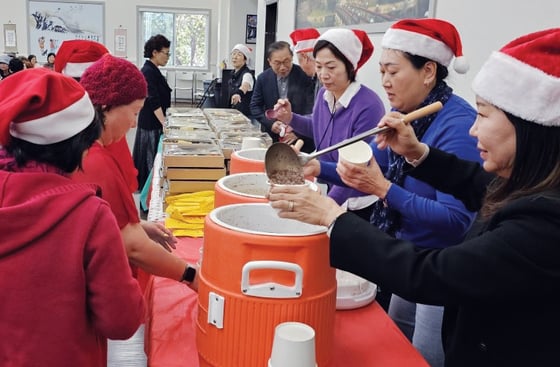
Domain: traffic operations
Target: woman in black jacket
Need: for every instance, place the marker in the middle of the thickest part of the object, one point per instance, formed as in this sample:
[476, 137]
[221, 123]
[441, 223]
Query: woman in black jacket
[501, 286]
[152, 115]
[240, 86]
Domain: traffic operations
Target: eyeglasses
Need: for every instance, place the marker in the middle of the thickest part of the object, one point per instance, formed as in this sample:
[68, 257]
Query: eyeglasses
[168, 53]
[277, 63]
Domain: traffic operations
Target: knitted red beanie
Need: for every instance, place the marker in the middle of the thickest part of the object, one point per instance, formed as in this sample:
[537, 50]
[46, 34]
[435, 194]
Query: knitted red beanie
[113, 81]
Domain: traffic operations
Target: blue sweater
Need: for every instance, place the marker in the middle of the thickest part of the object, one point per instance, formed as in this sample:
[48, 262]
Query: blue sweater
[430, 218]
[362, 113]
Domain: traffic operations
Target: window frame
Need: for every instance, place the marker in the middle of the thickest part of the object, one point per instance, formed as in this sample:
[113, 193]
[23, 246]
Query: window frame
[174, 10]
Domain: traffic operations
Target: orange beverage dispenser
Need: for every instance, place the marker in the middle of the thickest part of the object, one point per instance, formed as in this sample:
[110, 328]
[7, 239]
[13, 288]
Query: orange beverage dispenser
[247, 160]
[257, 271]
[247, 187]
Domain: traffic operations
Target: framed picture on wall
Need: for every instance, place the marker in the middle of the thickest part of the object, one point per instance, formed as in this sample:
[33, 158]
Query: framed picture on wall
[251, 29]
[370, 16]
[52, 22]
[10, 38]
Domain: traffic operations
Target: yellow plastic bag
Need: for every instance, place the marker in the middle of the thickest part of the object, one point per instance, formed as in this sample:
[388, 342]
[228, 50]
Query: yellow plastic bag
[186, 212]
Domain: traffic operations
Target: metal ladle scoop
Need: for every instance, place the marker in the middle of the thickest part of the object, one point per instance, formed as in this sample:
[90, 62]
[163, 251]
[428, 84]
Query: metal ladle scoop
[281, 156]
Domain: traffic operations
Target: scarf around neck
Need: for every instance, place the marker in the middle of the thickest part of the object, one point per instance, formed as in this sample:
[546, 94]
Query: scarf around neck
[385, 218]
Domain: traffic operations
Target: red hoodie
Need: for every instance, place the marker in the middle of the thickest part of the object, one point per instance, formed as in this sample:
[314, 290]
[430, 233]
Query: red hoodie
[64, 277]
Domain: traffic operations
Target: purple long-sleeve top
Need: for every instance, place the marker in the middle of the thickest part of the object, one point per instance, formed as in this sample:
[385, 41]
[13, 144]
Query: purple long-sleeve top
[359, 109]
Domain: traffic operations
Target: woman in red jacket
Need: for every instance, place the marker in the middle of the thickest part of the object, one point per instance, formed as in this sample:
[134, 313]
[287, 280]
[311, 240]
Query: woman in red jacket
[65, 283]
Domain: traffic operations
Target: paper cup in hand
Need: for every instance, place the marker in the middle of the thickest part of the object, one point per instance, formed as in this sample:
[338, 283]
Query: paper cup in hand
[271, 114]
[293, 346]
[251, 142]
[358, 153]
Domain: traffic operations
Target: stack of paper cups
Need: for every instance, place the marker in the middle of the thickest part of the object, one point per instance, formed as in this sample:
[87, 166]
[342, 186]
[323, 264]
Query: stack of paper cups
[293, 346]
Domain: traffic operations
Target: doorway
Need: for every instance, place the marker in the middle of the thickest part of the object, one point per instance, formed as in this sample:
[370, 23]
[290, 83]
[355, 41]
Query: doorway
[270, 29]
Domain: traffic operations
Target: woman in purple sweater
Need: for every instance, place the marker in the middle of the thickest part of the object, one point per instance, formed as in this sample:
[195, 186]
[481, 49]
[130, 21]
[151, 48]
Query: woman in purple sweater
[343, 107]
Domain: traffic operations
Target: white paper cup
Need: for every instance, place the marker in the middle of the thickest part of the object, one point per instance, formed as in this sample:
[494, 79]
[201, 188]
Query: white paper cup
[357, 153]
[293, 346]
[250, 142]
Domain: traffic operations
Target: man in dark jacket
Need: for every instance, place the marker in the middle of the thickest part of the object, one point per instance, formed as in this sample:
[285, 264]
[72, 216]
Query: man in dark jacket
[282, 80]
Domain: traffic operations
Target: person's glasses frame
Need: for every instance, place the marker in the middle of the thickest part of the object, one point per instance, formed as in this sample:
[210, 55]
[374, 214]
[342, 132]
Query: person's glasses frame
[278, 63]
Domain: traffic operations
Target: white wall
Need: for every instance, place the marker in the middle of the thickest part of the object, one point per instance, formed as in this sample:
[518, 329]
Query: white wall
[227, 23]
[484, 25]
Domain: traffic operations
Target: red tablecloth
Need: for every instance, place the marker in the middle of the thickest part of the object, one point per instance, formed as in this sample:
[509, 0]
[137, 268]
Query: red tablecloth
[363, 337]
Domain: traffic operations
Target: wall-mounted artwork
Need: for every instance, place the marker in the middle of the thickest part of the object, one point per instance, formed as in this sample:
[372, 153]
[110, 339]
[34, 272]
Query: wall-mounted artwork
[52, 22]
[251, 29]
[370, 15]
[10, 38]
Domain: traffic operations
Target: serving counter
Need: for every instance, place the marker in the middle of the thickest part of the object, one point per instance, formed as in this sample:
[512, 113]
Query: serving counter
[363, 337]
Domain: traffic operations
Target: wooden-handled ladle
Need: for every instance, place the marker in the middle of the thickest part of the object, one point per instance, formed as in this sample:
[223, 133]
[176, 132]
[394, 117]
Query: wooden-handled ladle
[281, 156]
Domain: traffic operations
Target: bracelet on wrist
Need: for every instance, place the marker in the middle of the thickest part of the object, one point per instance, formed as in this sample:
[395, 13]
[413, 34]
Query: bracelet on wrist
[417, 162]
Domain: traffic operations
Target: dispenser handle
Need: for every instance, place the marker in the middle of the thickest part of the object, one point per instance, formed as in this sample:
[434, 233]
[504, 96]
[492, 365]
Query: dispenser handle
[271, 289]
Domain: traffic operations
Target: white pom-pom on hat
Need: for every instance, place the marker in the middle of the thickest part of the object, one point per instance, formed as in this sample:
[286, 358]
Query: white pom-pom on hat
[461, 64]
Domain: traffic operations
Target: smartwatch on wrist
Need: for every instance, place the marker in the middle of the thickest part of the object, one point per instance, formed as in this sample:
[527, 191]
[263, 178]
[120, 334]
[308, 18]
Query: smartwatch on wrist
[189, 274]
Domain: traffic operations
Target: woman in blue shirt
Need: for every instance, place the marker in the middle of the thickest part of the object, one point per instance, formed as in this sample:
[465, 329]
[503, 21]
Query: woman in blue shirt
[413, 68]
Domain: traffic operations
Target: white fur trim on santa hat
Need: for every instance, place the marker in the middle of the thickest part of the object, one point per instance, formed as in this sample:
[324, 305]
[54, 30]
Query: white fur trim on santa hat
[243, 49]
[520, 89]
[49, 129]
[76, 69]
[304, 45]
[417, 44]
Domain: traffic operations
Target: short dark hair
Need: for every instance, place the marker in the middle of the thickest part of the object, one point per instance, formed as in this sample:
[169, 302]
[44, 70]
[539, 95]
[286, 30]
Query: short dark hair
[15, 65]
[350, 71]
[65, 155]
[155, 43]
[419, 61]
[536, 167]
[51, 54]
[277, 46]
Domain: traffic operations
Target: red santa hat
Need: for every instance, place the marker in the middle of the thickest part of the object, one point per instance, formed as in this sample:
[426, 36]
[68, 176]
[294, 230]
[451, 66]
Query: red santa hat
[113, 81]
[434, 39]
[354, 44]
[304, 39]
[75, 56]
[42, 107]
[523, 78]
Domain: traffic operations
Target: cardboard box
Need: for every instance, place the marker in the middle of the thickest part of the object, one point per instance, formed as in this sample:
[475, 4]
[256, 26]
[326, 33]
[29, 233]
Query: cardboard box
[192, 154]
[187, 173]
[183, 186]
[193, 161]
